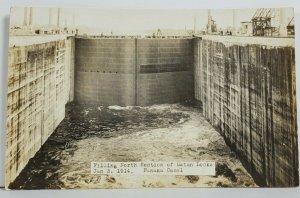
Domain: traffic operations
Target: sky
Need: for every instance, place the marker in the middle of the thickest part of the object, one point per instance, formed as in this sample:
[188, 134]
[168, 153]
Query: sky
[132, 21]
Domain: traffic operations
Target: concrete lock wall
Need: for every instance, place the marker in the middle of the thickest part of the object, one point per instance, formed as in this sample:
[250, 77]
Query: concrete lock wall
[247, 87]
[38, 89]
[165, 71]
[105, 71]
[133, 71]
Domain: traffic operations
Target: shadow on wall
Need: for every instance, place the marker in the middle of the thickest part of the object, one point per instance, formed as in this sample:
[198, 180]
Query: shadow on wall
[133, 71]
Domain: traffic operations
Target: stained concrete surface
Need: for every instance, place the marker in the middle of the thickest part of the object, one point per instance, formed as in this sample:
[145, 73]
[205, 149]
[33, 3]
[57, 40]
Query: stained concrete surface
[248, 90]
[39, 85]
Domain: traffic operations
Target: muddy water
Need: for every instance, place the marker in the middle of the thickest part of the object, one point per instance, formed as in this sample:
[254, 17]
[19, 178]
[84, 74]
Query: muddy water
[156, 133]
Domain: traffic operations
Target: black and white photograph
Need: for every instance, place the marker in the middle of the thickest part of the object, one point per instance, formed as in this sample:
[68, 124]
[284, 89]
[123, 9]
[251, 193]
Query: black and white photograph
[151, 98]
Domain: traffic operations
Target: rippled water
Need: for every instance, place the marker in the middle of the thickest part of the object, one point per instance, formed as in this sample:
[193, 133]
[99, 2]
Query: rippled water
[156, 133]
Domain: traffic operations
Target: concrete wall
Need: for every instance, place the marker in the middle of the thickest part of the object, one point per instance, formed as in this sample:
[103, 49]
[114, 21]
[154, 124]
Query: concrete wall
[38, 90]
[247, 87]
[105, 71]
[70, 66]
[133, 71]
[165, 71]
[197, 68]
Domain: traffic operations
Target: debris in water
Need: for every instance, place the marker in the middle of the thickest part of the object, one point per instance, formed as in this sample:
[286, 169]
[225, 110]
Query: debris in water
[192, 178]
[222, 169]
[110, 179]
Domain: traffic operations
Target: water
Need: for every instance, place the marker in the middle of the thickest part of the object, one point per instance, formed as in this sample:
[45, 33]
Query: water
[157, 133]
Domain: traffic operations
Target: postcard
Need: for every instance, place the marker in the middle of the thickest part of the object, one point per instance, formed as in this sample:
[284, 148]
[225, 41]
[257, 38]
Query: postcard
[145, 98]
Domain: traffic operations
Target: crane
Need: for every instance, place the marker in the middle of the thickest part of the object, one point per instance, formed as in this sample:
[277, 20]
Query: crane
[261, 22]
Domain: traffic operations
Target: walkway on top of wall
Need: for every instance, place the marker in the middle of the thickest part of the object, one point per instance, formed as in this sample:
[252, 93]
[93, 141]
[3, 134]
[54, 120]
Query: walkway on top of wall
[251, 40]
[18, 41]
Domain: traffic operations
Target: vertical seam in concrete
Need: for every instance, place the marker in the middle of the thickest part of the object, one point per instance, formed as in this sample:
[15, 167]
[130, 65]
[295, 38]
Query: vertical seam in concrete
[43, 101]
[136, 71]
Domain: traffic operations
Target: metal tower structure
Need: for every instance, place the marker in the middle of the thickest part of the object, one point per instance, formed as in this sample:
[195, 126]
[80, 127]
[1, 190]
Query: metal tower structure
[261, 22]
[291, 27]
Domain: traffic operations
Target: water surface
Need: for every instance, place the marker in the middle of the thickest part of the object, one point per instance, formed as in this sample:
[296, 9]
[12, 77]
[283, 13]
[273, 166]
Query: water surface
[174, 132]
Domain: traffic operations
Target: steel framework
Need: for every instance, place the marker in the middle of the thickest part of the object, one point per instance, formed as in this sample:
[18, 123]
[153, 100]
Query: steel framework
[261, 22]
